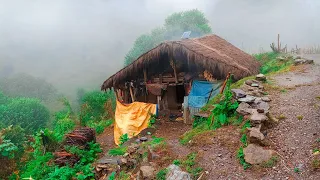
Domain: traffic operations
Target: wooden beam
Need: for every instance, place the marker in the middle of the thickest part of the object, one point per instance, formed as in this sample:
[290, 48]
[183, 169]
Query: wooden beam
[145, 76]
[131, 93]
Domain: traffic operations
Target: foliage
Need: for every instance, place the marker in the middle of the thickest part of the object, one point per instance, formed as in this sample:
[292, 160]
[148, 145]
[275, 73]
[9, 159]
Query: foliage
[271, 162]
[244, 140]
[40, 167]
[17, 136]
[117, 151]
[240, 156]
[224, 110]
[191, 166]
[155, 142]
[124, 138]
[300, 117]
[101, 125]
[123, 176]
[176, 162]
[23, 85]
[175, 25]
[28, 113]
[7, 148]
[112, 176]
[198, 120]
[296, 170]
[245, 126]
[270, 63]
[152, 120]
[93, 109]
[161, 175]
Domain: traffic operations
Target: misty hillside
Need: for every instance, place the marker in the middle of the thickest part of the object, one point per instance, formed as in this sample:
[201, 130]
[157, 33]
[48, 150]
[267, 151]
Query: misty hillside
[79, 44]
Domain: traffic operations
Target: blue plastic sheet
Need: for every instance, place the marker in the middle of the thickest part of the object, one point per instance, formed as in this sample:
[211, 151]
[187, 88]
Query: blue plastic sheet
[200, 92]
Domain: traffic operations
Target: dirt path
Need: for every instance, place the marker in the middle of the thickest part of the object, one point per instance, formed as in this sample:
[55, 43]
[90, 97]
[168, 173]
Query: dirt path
[292, 138]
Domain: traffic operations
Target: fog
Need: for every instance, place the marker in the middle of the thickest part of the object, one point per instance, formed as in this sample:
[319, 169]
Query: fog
[79, 43]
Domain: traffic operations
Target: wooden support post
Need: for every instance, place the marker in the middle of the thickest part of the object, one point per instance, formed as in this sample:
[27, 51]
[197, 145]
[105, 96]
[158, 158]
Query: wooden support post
[145, 76]
[116, 92]
[224, 83]
[160, 78]
[131, 93]
[279, 43]
[174, 71]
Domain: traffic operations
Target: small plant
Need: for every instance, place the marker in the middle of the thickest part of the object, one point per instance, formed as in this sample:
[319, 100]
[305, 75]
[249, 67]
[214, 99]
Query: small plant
[244, 140]
[197, 121]
[296, 170]
[316, 164]
[271, 162]
[7, 148]
[240, 156]
[318, 140]
[315, 150]
[112, 176]
[282, 117]
[283, 90]
[191, 166]
[176, 162]
[161, 175]
[236, 121]
[117, 151]
[245, 126]
[300, 117]
[152, 120]
[124, 176]
[124, 138]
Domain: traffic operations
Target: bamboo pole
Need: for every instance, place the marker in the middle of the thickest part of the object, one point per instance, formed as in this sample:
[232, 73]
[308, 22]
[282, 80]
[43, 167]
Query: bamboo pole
[131, 93]
[224, 83]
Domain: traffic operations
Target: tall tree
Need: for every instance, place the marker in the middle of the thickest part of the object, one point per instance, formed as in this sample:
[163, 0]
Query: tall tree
[175, 25]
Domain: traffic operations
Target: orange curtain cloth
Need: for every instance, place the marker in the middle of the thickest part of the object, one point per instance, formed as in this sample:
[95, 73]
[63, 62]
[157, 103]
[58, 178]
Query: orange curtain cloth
[132, 118]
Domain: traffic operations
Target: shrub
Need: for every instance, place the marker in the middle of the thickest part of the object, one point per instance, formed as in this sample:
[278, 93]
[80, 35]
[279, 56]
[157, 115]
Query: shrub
[225, 109]
[161, 175]
[93, 106]
[17, 136]
[28, 113]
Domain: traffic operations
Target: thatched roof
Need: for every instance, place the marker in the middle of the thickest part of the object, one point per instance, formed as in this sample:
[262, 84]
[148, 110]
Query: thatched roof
[211, 53]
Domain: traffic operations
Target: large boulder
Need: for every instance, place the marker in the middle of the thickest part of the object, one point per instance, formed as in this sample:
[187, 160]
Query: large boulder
[261, 77]
[255, 154]
[255, 135]
[175, 173]
[247, 99]
[257, 118]
[260, 104]
[147, 172]
[244, 109]
[238, 93]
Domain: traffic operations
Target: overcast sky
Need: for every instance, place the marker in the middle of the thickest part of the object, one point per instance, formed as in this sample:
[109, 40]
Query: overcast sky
[79, 43]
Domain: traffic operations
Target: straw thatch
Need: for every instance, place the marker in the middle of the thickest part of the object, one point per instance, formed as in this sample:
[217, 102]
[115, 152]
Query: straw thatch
[211, 53]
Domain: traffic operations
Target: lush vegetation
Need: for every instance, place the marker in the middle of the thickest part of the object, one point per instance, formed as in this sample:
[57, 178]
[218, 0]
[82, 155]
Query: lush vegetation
[273, 62]
[97, 109]
[175, 25]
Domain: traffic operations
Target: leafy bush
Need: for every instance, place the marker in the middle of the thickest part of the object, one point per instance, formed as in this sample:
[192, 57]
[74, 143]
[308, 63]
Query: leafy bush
[17, 136]
[93, 106]
[270, 63]
[7, 148]
[224, 110]
[28, 113]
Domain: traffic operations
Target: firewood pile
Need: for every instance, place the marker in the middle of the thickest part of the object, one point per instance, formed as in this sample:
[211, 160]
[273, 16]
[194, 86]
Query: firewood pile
[79, 137]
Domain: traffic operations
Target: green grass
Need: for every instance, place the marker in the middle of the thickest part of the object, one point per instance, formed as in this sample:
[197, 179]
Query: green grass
[270, 63]
[240, 156]
[244, 140]
[117, 151]
[239, 83]
[186, 137]
[191, 166]
[161, 175]
[176, 162]
[245, 126]
[271, 162]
